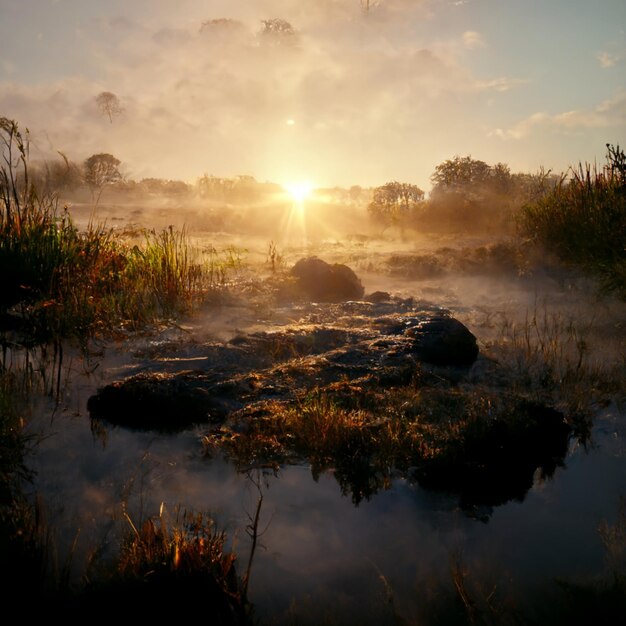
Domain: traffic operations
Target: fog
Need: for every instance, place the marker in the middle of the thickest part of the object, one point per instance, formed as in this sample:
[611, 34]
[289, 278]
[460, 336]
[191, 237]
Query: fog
[350, 96]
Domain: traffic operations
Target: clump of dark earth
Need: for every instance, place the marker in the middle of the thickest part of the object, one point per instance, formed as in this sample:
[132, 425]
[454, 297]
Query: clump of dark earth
[322, 282]
[379, 344]
[366, 346]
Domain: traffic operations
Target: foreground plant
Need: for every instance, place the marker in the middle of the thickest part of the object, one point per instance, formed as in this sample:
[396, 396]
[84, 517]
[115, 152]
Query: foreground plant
[185, 558]
[59, 283]
[171, 564]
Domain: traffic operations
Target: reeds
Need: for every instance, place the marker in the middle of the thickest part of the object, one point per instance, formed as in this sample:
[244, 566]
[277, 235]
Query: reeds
[583, 220]
[167, 563]
[59, 283]
[557, 360]
[184, 546]
[22, 534]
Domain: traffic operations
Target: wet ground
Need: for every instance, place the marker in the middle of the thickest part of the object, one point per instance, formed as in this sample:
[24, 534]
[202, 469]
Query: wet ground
[321, 557]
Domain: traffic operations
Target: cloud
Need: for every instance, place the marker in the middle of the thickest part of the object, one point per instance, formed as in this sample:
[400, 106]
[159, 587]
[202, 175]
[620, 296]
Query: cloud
[606, 59]
[609, 113]
[371, 96]
[473, 40]
[199, 98]
[522, 128]
[501, 84]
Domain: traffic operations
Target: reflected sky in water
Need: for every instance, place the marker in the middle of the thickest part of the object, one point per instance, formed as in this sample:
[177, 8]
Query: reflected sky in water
[319, 554]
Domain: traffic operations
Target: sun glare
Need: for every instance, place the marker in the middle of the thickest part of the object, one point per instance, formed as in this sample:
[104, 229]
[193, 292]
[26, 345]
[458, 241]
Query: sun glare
[299, 191]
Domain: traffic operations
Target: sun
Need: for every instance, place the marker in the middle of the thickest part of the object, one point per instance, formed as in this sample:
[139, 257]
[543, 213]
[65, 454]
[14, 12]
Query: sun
[299, 191]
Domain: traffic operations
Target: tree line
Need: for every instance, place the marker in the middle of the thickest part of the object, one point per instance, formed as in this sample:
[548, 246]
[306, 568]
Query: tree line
[103, 171]
[466, 194]
[465, 191]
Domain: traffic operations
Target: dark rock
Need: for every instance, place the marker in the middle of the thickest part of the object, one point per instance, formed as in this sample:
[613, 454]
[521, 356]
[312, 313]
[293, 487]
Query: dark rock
[443, 340]
[163, 402]
[323, 282]
[377, 297]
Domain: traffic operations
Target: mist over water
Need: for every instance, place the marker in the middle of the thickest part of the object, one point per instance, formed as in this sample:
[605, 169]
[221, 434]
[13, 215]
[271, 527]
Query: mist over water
[320, 556]
[258, 134]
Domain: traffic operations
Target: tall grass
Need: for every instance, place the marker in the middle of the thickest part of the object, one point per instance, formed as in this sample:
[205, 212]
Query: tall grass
[560, 360]
[59, 283]
[583, 220]
[169, 563]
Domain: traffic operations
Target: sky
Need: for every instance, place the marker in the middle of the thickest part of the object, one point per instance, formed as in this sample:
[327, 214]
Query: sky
[352, 97]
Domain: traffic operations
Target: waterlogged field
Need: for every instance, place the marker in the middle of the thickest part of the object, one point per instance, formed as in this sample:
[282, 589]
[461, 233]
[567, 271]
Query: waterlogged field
[311, 542]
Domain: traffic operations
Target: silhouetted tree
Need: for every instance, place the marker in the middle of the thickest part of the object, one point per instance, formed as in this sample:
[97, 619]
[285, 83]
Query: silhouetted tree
[468, 194]
[393, 202]
[460, 174]
[101, 170]
[109, 104]
[221, 24]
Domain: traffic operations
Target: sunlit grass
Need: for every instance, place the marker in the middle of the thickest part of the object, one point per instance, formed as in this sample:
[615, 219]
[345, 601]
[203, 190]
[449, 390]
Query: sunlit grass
[368, 437]
[583, 220]
[59, 283]
[170, 562]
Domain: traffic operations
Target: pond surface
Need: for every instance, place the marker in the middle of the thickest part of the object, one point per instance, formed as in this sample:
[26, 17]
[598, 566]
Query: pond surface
[320, 558]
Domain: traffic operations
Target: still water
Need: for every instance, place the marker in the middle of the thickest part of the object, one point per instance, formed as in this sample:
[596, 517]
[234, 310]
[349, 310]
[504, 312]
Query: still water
[319, 555]
[320, 558]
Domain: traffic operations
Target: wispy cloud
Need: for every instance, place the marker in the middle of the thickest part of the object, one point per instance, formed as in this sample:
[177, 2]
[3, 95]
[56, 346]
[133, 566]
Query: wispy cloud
[500, 84]
[473, 40]
[610, 59]
[607, 114]
[219, 98]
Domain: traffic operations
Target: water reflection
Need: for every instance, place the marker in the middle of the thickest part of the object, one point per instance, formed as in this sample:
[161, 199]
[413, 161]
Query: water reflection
[319, 556]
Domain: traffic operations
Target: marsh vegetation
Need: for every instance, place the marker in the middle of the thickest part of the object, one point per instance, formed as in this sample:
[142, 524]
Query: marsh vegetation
[169, 378]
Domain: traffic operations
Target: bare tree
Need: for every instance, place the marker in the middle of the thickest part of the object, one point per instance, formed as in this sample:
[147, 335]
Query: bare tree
[109, 104]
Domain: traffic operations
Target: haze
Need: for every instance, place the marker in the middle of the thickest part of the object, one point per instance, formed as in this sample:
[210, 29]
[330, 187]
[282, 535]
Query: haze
[353, 97]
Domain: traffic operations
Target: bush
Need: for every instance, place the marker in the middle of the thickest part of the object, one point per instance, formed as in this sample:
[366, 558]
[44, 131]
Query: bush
[583, 220]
